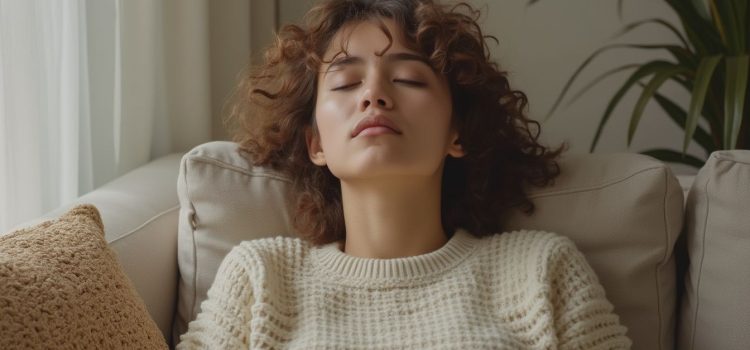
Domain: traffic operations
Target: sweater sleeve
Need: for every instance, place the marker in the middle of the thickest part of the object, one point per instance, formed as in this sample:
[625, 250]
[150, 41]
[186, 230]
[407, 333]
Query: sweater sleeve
[224, 320]
[584, 318]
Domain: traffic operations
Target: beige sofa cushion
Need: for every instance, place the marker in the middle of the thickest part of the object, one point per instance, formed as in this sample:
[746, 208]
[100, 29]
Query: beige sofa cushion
[223, 201]
[61, 287]
[623, 210]
[715, 308]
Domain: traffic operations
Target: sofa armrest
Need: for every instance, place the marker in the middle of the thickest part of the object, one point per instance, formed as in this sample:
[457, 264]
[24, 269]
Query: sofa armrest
[140, 214]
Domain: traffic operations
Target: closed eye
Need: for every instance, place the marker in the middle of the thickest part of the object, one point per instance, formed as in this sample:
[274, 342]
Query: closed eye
[345, 87]
[410, 82]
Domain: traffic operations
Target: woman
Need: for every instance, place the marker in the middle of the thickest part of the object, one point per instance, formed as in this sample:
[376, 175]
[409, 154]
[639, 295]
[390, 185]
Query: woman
[406, 147]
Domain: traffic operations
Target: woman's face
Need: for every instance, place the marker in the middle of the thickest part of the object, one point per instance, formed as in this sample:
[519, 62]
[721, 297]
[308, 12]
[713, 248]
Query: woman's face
[399, 86]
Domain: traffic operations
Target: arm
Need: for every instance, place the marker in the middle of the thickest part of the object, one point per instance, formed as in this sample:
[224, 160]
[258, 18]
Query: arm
[584, 318]
[224, 320]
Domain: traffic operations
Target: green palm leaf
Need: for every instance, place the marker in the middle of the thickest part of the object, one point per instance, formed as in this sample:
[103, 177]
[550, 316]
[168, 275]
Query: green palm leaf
[645, 70]
[678, 115]
[699, 30]
[700, 8]
[727, 21]
[712, 30]
[702, 80]
[599, 79]
[648, 92]
[675, 50]
[637, 24]
[668, 155]
[734, 98]
[741, 8]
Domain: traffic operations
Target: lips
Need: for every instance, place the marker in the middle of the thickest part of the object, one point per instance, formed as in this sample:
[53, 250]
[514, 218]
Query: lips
[374, 121]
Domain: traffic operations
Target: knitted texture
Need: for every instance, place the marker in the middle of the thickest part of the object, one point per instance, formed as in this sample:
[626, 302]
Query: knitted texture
[517, 290]
[61, 287]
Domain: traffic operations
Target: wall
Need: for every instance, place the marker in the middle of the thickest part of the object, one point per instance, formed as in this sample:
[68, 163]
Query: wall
[239, 30]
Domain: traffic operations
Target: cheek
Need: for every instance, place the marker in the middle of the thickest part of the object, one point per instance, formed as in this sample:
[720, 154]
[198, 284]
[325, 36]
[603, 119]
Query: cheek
[331, 115]
[333, 105]
[434, 111]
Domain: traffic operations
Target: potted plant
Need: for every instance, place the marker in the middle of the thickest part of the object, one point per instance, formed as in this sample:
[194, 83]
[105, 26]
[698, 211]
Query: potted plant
[710, 61]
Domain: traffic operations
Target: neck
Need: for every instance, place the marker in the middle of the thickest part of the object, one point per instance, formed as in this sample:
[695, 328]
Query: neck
[389, 219]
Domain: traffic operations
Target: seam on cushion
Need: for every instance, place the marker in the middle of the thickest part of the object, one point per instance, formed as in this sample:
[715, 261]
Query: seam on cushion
[239, 169]
[594, 187]
[195, 249]
[700, 266]
[145, 223]
[664, 260]
[719, 157]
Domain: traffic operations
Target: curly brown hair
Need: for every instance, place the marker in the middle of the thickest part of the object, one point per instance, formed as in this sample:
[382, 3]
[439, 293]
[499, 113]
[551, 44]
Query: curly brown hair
[275, 105]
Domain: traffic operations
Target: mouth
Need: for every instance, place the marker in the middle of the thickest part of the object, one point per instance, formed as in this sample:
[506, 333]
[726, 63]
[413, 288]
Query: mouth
[377, 124]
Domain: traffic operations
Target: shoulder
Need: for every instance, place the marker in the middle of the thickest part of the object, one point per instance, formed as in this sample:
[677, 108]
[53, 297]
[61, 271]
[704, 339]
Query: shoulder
[540, 257]
[529, 252]
[270, 252]
[526, 242]
[272, 248]
[551, 256]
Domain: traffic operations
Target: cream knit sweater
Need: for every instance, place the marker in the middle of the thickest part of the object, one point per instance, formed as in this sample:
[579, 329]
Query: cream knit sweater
[517, 290]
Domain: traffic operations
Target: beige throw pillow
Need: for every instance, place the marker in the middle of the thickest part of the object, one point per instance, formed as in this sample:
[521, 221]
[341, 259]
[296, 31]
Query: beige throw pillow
[61, 287]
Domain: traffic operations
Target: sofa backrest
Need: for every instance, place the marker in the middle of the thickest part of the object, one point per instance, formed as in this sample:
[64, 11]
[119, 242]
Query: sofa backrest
[624, 212]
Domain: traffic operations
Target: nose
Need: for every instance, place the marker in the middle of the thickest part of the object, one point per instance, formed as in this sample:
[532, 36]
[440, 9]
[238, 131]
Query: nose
[375, 94]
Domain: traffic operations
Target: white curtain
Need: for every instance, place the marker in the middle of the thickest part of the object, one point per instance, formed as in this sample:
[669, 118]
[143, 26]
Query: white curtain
[91, 89]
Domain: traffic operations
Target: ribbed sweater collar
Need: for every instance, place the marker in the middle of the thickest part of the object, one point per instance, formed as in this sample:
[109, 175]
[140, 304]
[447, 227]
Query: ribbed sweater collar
[330, 258]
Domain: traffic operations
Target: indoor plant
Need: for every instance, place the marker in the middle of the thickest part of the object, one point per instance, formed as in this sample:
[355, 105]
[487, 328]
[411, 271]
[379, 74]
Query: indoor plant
[710, 61]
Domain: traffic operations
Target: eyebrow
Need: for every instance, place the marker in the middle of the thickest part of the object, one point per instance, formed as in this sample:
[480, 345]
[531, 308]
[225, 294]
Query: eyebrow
[392, 57]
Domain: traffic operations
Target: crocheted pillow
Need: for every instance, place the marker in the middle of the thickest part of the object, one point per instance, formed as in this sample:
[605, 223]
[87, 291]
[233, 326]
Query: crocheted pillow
[61, 286]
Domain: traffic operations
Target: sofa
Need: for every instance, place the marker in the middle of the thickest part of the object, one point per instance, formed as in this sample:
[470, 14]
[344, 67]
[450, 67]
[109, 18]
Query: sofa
[672, 252]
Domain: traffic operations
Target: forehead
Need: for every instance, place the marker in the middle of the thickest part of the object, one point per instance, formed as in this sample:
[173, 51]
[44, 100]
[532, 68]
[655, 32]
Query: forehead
[367, 38]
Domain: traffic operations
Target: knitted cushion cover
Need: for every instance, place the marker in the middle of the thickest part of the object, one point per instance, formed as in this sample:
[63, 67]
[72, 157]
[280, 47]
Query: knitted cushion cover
[61, 287]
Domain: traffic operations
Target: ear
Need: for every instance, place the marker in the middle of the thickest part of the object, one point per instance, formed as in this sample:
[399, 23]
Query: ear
[314, 150]
[455, 149]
